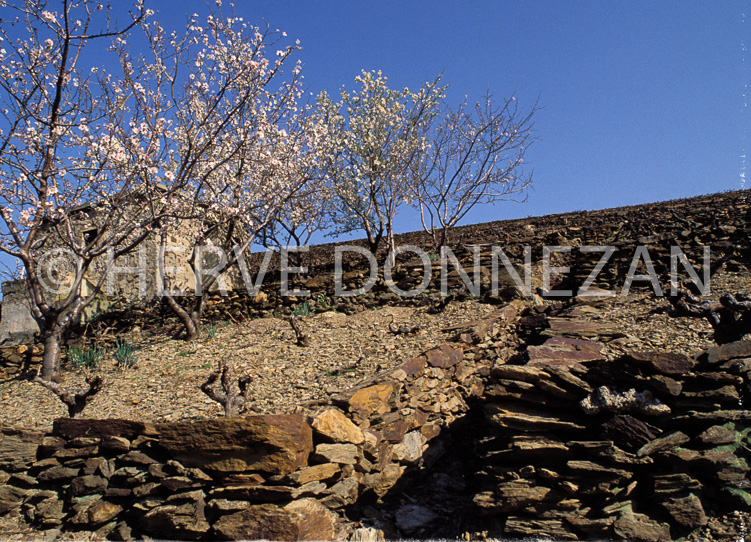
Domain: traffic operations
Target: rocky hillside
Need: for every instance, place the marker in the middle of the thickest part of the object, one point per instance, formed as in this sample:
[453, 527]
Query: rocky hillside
[570, 417]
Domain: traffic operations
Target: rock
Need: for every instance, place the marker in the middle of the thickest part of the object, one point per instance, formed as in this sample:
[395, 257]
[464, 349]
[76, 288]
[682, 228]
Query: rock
[304, 519]
[632, 526]
[674, 483]
[95, 512]
[510, 498]
[686, 511]
[12, 494]
[414, 367]
[628, 432]
[72, 453]
[324, 471]
[83, 442]
[345, 454]
[725, 394]
[395, 431]
[311, 489]
[595, 470]
[87, 485]
[716, 416]
[18, 448]
[665, 384]
[383, 481]
[370, 400]
[566, 377]
[334, 425]
[668, 442]
[532, 527]
[367, 534]
[564, 352]
[525, 373]
[724, 352]
[257, 493]
[410, 449]
[50, 445]
[227, 505]
[177, 483]
[596, 526]
[49, 511]
[115, 444]
[137, 458]
[719, 434]
[182, 517]
[55, 474]
[527, 419]
[540, 448]
[70, 428]
[445, 356]
[277, 444]
[342, 493]
[413, 517]
[662, 362]
[578, 329]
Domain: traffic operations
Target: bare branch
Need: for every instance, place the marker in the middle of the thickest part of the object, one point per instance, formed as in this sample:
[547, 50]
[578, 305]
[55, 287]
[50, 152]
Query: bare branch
[75, 400]
[220, 387]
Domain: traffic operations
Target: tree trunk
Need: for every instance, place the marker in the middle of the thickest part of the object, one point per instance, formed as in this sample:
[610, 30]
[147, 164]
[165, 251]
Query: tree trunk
[51, 359]
[188, 320]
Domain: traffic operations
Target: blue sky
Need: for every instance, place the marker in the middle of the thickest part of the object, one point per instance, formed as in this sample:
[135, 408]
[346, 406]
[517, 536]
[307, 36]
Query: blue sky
[641, 101]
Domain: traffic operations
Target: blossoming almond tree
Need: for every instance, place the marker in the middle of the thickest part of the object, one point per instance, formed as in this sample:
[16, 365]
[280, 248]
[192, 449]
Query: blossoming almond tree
[75, 145]
[475, 157]
[377, 136]
[262, 149]
[130, 143]
[305, 214]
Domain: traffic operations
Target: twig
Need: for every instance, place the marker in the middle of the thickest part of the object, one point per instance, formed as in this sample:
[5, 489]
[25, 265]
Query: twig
[730, 318]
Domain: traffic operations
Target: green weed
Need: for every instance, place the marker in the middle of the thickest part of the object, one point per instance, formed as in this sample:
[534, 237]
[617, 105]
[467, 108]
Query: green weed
[301, 309]
[124, 354]
[85, 356]
[209, 331]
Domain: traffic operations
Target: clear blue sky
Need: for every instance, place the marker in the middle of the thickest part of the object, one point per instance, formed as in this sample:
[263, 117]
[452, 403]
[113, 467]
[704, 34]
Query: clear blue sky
[641, 100]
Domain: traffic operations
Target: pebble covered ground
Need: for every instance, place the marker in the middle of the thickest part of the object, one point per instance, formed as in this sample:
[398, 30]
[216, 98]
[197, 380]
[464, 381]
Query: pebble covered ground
[164, 384]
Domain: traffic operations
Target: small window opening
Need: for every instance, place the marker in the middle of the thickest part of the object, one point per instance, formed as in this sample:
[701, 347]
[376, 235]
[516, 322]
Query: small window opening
[90, 235]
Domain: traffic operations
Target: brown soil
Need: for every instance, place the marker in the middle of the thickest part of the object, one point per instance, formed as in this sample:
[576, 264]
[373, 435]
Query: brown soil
[164, 384]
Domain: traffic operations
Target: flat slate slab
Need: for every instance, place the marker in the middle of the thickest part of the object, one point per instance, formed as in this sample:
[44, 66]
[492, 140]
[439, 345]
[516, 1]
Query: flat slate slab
[564, 351]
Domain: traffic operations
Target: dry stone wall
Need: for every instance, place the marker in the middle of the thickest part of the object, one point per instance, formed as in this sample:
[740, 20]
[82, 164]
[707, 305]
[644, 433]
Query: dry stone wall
[279, 477]
[643, 447]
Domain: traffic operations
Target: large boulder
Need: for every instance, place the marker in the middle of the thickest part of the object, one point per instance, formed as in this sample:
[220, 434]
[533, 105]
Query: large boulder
[277, 444]
[304, 519]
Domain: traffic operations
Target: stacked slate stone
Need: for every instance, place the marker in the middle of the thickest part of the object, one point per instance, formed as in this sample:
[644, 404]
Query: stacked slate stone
[644, 447]
[18, 360]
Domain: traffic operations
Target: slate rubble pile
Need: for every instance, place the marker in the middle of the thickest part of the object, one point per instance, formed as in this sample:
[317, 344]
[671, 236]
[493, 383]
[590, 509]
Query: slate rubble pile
[643, 447]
